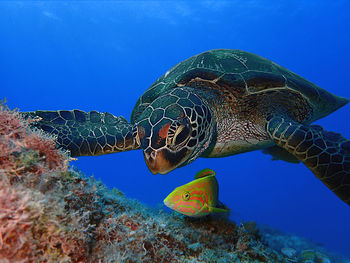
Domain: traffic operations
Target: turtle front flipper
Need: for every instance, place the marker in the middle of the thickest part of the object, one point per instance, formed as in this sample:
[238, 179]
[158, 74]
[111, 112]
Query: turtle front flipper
[327, 154]
[84, 134]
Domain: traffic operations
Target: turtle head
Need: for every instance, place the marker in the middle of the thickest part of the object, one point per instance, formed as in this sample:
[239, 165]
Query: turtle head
[173, 130]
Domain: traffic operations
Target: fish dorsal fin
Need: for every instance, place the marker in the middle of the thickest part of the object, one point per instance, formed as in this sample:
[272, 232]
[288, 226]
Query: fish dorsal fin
[204, 173]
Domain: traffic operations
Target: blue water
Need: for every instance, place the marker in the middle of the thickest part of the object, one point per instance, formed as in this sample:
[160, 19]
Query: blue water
[103, 56]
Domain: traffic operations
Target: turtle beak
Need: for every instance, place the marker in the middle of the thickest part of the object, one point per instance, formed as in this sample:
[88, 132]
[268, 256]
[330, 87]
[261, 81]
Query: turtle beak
[163, 160]
[157, 162]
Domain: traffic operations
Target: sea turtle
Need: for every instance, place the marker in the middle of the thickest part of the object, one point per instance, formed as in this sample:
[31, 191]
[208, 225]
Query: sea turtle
[218, 103]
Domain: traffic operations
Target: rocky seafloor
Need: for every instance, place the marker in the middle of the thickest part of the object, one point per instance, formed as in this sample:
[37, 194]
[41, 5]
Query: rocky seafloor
[50, 212]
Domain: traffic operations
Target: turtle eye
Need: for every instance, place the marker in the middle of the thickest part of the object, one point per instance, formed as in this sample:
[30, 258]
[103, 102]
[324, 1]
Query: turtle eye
[186, 196]
[179, 133]
[182, 134]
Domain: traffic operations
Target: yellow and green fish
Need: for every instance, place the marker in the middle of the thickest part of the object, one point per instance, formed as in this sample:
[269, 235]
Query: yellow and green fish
[197, 198]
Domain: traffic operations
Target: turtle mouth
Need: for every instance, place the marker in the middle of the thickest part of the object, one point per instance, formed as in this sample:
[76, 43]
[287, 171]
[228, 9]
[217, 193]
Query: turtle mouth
[163, 160]
[157, 162]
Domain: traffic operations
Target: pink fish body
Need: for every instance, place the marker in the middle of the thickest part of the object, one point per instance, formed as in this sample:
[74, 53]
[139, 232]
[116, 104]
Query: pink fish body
[197, 198]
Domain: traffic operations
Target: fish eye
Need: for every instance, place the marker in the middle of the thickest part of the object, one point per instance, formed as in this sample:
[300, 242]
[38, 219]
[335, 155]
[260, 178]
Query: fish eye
[186, 195]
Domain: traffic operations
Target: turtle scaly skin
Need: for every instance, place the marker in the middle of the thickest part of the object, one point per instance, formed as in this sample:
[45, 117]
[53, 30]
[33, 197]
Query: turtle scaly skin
[86, 134]
[218, 103]
[326, 154]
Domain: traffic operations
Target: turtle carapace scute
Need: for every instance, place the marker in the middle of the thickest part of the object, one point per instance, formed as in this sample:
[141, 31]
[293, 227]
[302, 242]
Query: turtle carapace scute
[218, 103]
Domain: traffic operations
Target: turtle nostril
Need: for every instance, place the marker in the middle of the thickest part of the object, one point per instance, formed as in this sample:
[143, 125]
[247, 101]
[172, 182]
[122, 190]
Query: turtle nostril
[150, 154]
[153, 154]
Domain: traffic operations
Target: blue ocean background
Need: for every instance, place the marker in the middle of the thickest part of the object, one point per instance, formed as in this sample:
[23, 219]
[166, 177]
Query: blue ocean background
[102, 56]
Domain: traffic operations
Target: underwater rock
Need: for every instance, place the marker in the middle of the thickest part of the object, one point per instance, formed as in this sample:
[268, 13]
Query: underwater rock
[314, 256]
[306, 250]
[308, 256]
[321, 258]
[289, 252]
[50, 212]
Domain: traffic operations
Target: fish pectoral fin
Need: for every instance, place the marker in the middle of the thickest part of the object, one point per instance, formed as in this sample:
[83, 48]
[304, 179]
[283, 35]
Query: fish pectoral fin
[213, 209]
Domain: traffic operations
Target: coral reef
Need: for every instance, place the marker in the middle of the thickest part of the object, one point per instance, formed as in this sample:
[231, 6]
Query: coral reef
[51, 213]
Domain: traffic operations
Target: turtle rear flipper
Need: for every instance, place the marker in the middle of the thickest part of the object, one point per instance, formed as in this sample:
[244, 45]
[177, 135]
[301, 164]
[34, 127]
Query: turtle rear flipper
[278, 153]
[84, 134]
[327, 154]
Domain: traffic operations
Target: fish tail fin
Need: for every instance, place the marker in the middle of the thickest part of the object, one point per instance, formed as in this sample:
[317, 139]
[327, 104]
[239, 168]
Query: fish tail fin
[218, 210]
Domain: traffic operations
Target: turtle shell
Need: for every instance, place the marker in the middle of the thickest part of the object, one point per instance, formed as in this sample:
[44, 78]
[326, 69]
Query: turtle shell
[242, 73]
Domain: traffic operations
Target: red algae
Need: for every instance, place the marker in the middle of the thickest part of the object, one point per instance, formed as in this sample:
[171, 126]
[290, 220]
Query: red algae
[18, 141]
[15, 222]
[32, 225]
